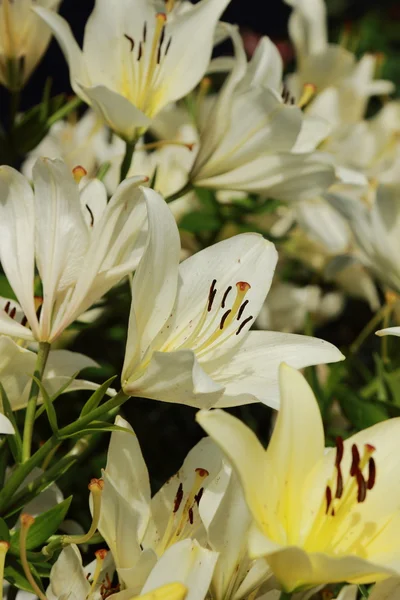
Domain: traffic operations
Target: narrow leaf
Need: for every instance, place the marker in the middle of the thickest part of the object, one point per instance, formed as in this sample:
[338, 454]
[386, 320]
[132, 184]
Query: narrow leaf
[44, 526]
[14, 441]
[51, 411]
[96, 397]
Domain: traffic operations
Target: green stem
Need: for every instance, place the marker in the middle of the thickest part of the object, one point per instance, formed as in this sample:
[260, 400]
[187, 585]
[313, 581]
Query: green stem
[64, 111]
[23, 470]
[126, 163]
[184, 190]
[80, 423]
[369, 328]
[41, 360]
[285, 596]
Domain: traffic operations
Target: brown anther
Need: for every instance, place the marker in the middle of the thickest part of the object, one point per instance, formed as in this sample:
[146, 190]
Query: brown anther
[371, 474]
[168, 46]
[101, 554]
[96, 485]
[91, 215]
[224, 317]
[241, 309]
[198, 496]
[362, 487]
[328, 496]
[27, 520]
[244, 324]
[225, 296]
[191, 519]
[211, 295]
[24, 321]
[243, 286]
[78, 173]
[7, 307]
[140, 52]
[144, 32]
[339, 483]
[339, 451]
[355, 461]
[178, 498]
[130, 40]
[13, 312]
[202, 472]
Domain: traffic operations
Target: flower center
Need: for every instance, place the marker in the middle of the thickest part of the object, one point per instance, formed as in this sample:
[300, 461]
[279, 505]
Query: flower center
[139, 84]
[330, 532]
[184, 514]
[217, 323]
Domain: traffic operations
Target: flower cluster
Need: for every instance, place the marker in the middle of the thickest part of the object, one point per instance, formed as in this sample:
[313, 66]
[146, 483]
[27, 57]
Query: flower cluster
[184, 207]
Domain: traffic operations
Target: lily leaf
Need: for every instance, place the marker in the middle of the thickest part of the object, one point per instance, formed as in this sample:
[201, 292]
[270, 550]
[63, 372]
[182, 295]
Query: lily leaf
[44, 526]
[96, 397]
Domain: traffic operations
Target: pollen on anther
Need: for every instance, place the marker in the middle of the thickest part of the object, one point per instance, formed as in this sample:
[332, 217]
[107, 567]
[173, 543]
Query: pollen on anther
[328, 496]
[242, 325]
[241, 309]
[224, 317]
[362, 487]
[355, 461]
[339, 450]
[371, 474]
[191, 519]
[243, 286]
[211, 295]
[202, 472]
[178, 498]
[130, 40]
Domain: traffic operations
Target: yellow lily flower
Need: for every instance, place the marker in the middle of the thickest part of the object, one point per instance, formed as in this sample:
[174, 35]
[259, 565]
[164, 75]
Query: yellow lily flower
[320, 515]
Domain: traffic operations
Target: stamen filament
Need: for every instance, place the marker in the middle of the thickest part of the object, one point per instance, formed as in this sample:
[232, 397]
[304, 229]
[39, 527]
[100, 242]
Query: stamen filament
[309, 91]
[96, 487]
[4, 546]
[26, 523]
[100, 556]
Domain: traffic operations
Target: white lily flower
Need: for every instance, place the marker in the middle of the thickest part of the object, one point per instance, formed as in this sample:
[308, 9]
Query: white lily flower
[17, 365]
[69, 580]
[75, 143]
[320, 515]
[385, 590]
[202, 504]
[188, 338]
[136, 59]
[374, 216]
[343, 86]
[248, 136]
[287, 306]
[24, 38]
[6, 426]
[81, 245]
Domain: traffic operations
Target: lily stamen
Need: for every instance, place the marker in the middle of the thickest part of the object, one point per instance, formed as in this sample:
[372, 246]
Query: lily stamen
[100, 557]
[96, 487]
[309, 91]
[4, 546]
[26, 523]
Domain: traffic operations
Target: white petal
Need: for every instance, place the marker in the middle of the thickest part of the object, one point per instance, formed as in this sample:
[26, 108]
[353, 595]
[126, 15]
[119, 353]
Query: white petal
[175, 377]
[116, 111]
[155, 282]
[61, 234]
[6, 425]
[70, 48]
[251, 374]
[191, 47]
[93, 201]
[265, 67]
[389, 331]
[128, 471]
[185, 562]
[246, 258]
[245, 453]
[384, 590]
[17, 251]
[67, 573]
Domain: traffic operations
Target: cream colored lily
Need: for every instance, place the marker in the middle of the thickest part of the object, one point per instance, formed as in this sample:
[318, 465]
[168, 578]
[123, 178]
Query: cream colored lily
[248, 136]
[81, 245]
[17, 365]
[188, 338]
[24, 38]
[135, 59]
[202, 504]
[320, 516]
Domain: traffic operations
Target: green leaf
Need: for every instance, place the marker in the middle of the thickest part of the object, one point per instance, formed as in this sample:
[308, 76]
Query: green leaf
[58, 393]
[96, 397]
[14, 441]
[197, 221]
[44, 526]
[360, 412]
[208, 200]
[97, 426]
[14, 574]
[48, 404]
[4, 531]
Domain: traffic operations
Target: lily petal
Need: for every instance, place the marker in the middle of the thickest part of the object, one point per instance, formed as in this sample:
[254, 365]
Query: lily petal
[251, 374]
[6, 426]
